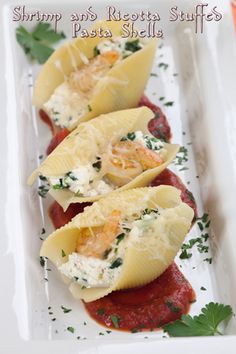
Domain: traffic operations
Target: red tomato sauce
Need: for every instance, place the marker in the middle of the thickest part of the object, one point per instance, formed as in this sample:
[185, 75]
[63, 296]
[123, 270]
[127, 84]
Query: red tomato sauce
[46, 119]
[158, 126]
[60, 218]
[57, 139]
[169, 178]
[150, 307]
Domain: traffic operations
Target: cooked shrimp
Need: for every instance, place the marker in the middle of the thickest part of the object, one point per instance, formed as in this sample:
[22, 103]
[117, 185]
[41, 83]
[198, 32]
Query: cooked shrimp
[86, 77]
[129, 159]
[112, 56]
[95, 241]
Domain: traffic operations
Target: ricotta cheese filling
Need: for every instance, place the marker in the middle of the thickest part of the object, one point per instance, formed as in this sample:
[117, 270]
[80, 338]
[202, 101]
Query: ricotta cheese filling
[66, 106]
[121, 45]
[91, 272]
[70, 100]
[82, 181]
[147, 141]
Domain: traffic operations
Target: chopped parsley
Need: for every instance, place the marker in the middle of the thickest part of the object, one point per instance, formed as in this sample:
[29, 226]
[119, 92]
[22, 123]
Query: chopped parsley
[63, 253]
[205, 324]
[129, 136]
[71, 329]
[100, 311]
[181, 157]
[190, 196]
[60, 185]
[65, 310]
[148, 211]
[98, 164]
[154, 74]
[161, 98]
[172, 307]
[42, 178]
[185, 254]
[117, 263]
[42, 261]
[89, 108]
[163, 65]
[71, 176]
[138, 328]
[203, 288]
[203, 225]
[42, 191]
[115, 320]
[133, 46]
[96, 51]
[119, 238]
[169, 104]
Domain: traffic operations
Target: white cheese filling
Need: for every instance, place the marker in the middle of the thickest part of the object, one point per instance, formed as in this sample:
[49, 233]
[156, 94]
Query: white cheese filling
[66, 106]
[82, 181]
[91, 272]
[119, 45]
[148, 141]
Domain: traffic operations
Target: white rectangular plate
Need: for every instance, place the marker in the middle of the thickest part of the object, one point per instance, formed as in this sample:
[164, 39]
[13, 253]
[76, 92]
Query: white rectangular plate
[202, 119]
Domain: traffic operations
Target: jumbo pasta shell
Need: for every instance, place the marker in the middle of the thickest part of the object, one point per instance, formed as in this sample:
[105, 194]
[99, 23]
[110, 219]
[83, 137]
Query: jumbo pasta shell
[88, 140]
[121, 88]
[141, 265]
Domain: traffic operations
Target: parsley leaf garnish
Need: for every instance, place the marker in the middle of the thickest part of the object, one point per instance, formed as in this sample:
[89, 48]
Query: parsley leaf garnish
[42, 261]
[120, 237]
[71, 329]
[115, 320]
[117, 263]
[133, 46]
[65, 310]
[205, 324]
[169, 104]
[100, 311]
[96, 51]
[37, 44]
[63, 254]
[172, 307]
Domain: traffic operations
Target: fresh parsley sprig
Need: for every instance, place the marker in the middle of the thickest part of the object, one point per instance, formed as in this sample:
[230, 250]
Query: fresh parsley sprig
[37, 44]
[205, 324]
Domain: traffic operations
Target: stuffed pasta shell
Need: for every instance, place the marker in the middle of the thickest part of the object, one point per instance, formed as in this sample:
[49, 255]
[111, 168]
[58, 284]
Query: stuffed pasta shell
[110, 153]
[122, 241]
[88, 77]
